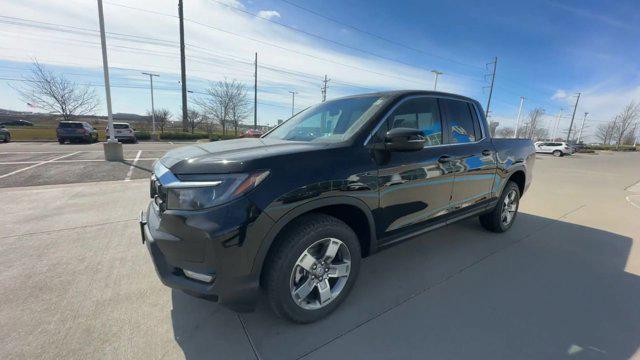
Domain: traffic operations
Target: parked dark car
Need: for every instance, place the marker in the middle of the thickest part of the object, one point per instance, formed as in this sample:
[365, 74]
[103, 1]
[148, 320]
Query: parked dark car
[76, 131]
[16, 123]
[5, 135]
[294, 212]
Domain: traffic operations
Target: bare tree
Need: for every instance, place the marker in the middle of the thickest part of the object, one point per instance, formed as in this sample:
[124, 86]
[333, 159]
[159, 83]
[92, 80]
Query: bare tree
[226, 103]
[240, 107]
[163, 116]
[604, 132]
[625, 121]
[194, 118]
[56, 94]
[506, 132]
[531, 128]
[630, 136]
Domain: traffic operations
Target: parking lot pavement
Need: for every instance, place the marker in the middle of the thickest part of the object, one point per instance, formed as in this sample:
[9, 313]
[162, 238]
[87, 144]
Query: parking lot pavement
[32, 164]
[564, 281]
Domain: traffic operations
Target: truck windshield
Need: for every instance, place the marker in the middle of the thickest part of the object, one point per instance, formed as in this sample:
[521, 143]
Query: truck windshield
[331, 121]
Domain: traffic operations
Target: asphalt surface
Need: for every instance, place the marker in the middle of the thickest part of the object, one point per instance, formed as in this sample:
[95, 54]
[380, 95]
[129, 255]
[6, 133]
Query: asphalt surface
[564, 282]
[31, 164]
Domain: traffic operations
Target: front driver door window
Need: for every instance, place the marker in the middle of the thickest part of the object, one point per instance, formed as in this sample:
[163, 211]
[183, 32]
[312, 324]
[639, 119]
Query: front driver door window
[414, 187]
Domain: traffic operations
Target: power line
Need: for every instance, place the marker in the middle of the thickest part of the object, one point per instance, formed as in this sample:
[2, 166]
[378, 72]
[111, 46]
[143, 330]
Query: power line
[291, 28]
[270, 44]
[379, 36]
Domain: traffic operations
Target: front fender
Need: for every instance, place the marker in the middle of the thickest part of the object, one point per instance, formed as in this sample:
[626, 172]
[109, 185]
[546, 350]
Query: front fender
[307, 207]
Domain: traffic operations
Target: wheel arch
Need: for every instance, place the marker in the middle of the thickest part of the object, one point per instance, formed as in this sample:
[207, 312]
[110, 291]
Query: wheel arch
[519, 177]
[354, 212]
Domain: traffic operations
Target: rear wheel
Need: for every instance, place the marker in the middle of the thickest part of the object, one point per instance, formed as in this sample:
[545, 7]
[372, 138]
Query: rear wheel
[504, 214]
[312, 268]
[60, 141]
[557, 153]
[7, 138]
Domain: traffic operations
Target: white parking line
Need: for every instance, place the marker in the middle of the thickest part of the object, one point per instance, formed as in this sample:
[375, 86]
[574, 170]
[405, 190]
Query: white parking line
[38, 164]
[128, 177]
[632, 203]
[67, 161]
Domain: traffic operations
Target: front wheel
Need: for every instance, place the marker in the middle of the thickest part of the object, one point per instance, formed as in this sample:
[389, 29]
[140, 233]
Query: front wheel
[504, 214]
[312, 268]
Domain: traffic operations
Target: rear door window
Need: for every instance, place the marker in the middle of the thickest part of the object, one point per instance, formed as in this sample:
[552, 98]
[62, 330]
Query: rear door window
[70, 125]
[460, 121]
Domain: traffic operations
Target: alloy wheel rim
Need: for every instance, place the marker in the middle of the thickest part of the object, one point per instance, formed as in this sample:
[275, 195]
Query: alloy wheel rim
[320, 273]
[509, 207]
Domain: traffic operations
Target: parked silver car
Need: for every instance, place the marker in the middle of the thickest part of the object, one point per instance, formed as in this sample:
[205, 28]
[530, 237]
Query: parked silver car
[555, 148]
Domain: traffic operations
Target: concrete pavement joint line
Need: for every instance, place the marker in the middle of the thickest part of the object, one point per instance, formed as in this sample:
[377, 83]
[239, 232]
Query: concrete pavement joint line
[133, 164]
[38, 164]
[441, 282]
[246, 333]
[69, 228]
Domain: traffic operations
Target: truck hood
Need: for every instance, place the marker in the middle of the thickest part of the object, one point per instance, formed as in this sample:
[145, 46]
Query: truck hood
[230, 156]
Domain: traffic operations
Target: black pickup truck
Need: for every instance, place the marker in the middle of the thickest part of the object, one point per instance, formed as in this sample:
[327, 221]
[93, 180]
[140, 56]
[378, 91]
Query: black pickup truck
[294, 211]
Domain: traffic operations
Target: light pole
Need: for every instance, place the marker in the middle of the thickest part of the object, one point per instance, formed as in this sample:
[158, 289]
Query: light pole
[112, 148]
[436, 73]
[153, 110]
[293, 102]
[515, 135]
[582, 127]
[573, 117]
[555, 129]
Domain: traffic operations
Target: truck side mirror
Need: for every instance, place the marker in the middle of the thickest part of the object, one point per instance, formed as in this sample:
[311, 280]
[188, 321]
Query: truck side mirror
[404, 139]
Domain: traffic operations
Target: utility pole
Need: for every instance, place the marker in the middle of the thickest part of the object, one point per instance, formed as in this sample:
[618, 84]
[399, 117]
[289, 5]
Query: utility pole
[436, 73]
[293, 102]
[573, 117]
[324, 88]
[582, 126]
[112, 148]
[515, 135]
[183, 71]
[493, 78]
[555, 129]
[153, 110]
[255, 94]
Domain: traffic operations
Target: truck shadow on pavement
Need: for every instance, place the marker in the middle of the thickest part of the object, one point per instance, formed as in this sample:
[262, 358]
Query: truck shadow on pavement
[545, 289]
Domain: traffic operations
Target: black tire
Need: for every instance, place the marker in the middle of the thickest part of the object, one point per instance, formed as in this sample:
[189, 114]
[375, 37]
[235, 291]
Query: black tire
[7, 138]
[557, 153]
[493, 221]
[60, 141]
[300, 235]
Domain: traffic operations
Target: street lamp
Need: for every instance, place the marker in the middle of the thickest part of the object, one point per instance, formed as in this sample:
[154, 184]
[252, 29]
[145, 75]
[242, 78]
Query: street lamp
[112, 148]
[436, 73]
[293, 102]
[154, 136]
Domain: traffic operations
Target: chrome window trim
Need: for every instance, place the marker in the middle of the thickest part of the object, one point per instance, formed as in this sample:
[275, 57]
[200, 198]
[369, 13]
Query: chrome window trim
[388, 113]
[170, 181]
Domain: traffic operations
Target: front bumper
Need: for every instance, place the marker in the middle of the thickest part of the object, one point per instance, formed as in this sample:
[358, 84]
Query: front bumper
[215, 243]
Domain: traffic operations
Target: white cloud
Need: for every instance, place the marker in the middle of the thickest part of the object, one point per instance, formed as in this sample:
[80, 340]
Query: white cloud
[268, 14]
[559, 95]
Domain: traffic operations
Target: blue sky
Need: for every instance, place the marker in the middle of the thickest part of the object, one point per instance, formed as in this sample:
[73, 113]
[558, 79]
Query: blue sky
[547, 50]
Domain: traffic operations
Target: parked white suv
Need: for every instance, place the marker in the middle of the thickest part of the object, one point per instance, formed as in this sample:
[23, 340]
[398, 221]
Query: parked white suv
[555, 148]
[124, 132]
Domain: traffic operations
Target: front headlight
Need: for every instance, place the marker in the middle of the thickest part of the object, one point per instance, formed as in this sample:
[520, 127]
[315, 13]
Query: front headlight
[197, 192]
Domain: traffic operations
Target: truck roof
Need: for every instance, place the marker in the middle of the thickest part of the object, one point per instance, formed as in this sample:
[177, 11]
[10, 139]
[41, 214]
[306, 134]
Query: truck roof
[399, 93]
